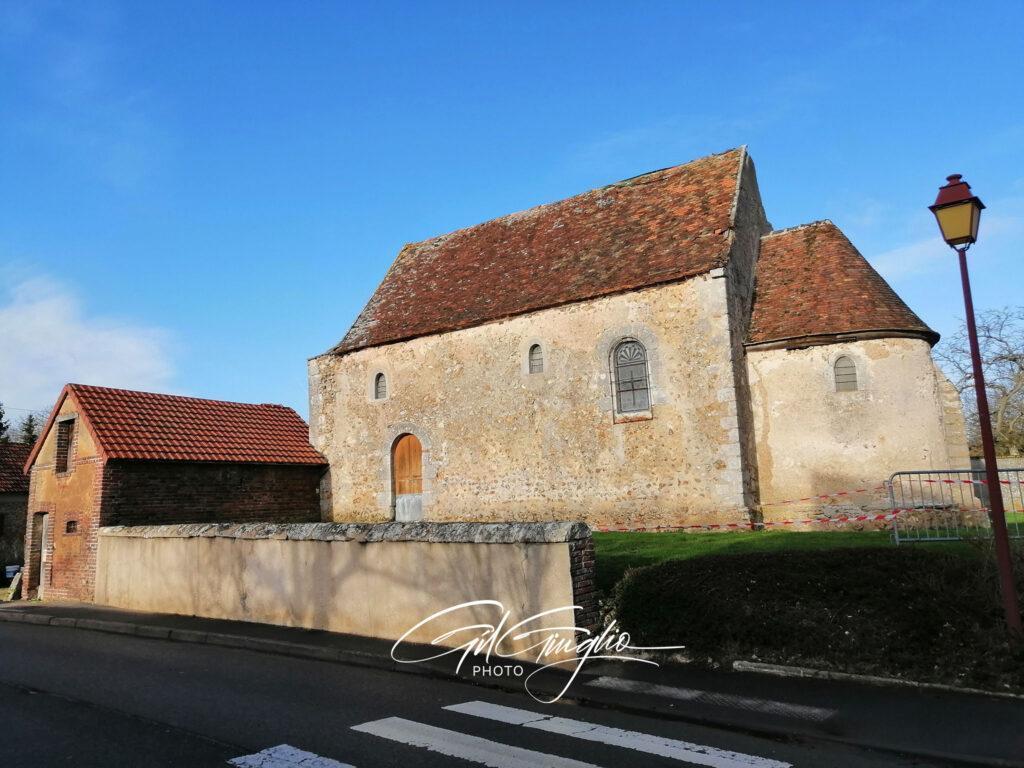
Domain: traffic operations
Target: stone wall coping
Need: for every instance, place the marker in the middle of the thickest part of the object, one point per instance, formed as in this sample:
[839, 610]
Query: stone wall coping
[442, 533]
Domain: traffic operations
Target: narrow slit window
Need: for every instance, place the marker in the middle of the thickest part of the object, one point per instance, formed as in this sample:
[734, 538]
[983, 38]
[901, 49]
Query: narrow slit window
[65, 430]
[846, 375]
[632, 385]
[536, 359]
[380, 387]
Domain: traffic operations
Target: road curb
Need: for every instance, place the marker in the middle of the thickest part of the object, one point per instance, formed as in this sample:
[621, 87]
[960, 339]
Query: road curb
[242, 642]
[781, 670]
[438, 671]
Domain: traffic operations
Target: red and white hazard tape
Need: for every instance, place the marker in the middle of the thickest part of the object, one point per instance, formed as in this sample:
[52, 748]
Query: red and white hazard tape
[892, 514]
[749, 525]
[825, 496]
[877, 488]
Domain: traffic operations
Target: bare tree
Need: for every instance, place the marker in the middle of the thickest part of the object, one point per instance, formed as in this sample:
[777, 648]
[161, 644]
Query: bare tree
[1001, 339]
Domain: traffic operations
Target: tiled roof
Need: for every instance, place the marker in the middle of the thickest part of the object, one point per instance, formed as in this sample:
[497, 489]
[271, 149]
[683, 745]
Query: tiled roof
[144, 425]
[12, 462]
[812, 281]
[656, 228]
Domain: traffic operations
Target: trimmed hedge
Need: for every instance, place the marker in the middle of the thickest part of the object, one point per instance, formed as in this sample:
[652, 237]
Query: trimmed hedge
[905, 612]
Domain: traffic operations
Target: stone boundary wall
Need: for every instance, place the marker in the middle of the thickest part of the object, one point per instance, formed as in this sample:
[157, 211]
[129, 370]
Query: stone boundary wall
[377, 580]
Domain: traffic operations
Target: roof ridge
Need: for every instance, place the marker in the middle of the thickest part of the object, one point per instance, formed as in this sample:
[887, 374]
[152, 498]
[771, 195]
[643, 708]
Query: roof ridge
[167, 396]
[676, 223]
[526, 211]
[131, 424]
[816, 223]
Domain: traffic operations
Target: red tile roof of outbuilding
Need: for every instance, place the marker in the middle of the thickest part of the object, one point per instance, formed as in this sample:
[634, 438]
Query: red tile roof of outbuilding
[149, 426]
[657, 228]
[812, 281]
[12, 467]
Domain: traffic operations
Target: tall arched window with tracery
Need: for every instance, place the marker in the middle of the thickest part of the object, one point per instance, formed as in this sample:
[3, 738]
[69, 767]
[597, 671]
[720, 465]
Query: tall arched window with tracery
[632, 383]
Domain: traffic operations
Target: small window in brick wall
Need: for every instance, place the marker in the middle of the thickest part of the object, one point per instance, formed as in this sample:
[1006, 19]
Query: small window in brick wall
[71, 526]
[65, 430]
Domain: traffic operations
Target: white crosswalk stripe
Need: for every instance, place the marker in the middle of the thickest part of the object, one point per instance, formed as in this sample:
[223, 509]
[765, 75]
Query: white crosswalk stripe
[697, 754]
[286, 756]
[762, 706]
[464, 746]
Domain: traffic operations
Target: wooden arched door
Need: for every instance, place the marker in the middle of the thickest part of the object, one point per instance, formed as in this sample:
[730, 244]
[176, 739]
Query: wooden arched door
[407, 478]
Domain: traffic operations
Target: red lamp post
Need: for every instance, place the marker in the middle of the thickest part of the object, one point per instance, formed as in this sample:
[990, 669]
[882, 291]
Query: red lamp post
[958, 213]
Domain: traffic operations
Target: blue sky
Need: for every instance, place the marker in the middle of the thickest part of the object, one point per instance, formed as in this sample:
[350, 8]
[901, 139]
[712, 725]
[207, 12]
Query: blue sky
[196, 197]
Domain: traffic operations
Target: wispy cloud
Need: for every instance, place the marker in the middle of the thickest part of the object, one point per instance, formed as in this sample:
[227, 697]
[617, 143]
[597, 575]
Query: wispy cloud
[47, 338]
[912, 259]
[1002, 233]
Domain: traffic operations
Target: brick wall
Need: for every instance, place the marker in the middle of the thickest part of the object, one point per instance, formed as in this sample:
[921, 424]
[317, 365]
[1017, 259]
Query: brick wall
[584, 591]
[73, 551]
[153, 493]
[70, 563]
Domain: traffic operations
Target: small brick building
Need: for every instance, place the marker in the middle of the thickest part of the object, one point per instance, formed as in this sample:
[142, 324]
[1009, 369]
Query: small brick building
[13, 502]
[117, 457]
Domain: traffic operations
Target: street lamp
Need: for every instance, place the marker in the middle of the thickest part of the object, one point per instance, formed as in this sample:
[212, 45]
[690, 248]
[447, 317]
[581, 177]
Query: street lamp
[958, 213]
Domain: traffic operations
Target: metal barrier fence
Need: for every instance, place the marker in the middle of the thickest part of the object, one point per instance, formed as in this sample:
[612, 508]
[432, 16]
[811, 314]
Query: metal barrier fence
[952, 505]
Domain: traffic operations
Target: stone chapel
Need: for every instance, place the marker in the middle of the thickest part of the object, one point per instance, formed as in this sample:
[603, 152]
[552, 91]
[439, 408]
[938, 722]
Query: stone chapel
[647, 353]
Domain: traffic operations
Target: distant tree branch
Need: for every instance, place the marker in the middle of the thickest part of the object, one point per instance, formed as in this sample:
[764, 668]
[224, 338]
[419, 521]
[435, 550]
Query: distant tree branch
[1001, 342]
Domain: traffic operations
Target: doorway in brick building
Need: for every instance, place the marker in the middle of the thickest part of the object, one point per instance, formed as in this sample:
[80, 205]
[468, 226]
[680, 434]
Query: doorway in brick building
[407, 478]
[39, 555]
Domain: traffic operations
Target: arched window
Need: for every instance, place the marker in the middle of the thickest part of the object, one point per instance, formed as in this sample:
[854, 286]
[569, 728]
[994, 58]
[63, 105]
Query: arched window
[846, 375]
[380, 387]
[536, 359]
[632, 387]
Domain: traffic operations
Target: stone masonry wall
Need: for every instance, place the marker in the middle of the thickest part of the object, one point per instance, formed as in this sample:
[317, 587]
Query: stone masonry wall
[740, 272]
[814, 440]
[953, 423]
[500, 443]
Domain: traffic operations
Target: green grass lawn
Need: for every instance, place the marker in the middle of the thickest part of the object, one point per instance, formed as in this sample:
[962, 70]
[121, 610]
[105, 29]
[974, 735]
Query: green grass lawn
[618, 552]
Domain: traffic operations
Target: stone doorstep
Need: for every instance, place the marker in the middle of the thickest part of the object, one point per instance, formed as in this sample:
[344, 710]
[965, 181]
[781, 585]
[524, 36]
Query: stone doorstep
[632, 704]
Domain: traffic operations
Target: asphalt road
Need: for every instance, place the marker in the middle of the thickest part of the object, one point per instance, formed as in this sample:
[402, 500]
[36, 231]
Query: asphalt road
[70, 697]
